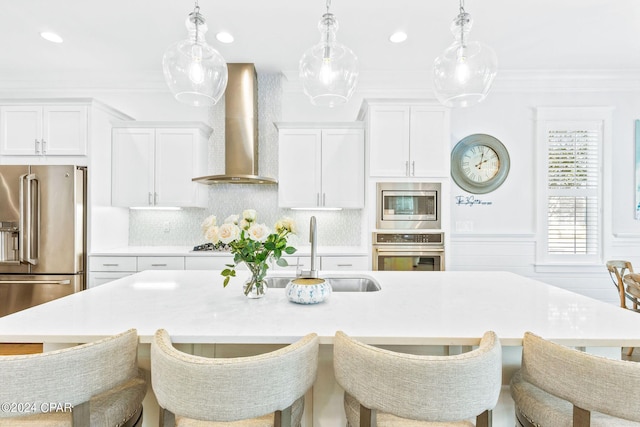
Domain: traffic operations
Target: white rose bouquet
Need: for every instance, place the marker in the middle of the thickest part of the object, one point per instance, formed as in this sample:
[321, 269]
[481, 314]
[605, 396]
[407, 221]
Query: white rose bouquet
[251, 243]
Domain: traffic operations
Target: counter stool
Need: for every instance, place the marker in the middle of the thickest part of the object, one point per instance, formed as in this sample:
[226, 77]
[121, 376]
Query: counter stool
[617, 270]
[401, 389]
[632, 287]
[560, 386]
[263, 390]
[96, 384]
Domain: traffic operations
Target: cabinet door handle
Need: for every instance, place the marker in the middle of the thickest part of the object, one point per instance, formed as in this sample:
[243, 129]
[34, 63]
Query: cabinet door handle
[406, 168]
[110, 265]
[37, 147]
[44, 147]
[324, 199]
[413, 168]
[158, 265]
[150, 199]
[344, 265]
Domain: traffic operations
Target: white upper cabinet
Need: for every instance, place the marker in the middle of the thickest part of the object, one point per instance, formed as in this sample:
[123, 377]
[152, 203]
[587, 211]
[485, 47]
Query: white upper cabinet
[53, 130]
[320, 166]
[153, 165]
[407, 138]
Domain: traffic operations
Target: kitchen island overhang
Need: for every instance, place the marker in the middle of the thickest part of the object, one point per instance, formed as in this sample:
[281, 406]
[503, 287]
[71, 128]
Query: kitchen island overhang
[435, 308]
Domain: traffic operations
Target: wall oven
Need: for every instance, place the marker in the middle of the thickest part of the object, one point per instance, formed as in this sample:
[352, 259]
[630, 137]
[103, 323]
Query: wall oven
[408, 205]
[408, 251]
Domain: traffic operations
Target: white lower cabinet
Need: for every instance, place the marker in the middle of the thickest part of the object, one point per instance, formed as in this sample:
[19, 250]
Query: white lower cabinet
[346, 263]
[103, 269]
[295, 263]
[209, 262]
[160, 263]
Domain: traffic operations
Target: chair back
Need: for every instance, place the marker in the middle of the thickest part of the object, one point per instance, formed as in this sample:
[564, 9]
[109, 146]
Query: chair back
[424, 388]
[72, 375]
[231, 389]
[617, 270]
[589, 382]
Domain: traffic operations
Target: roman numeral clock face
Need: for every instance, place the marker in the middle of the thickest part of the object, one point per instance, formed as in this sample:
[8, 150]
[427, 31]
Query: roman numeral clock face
[479, 163]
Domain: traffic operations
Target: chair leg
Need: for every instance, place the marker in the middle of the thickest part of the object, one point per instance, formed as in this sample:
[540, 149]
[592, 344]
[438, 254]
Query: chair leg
[282, 418]
[167, 418]
[366, 415]
[485, 419]
[81, 415]
[581, 417]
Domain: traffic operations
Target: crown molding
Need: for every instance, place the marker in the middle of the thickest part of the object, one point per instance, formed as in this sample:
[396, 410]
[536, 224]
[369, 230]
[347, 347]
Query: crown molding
[385, 82]
[420, 83]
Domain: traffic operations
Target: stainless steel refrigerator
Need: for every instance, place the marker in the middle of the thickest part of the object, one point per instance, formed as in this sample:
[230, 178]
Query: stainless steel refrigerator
[42, 234]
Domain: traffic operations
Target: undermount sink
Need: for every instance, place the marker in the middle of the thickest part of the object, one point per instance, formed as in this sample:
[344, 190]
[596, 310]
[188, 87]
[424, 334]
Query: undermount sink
[338, 284]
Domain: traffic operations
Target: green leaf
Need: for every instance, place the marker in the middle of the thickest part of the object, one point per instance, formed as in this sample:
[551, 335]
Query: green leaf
[282, 262]
[290, 250]
[269, 245]
[226, 282]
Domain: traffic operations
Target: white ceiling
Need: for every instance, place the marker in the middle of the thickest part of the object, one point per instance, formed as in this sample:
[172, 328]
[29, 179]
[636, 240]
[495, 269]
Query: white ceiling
[110, 39]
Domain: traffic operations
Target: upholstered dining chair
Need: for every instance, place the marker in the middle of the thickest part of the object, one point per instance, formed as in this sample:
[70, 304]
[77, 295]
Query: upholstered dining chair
[95, 384]
[255, 391]
[560, 386]
[398, 389]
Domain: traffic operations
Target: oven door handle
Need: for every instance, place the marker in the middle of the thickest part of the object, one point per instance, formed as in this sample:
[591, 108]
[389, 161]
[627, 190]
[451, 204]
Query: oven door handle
[408, 252]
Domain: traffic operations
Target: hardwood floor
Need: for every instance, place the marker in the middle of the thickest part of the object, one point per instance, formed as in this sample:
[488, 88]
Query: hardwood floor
[13, 349]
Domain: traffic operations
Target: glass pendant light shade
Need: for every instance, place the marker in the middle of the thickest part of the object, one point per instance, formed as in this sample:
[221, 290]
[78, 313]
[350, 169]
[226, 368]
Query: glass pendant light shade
[463, 74]
[329, 69]
[195, 72]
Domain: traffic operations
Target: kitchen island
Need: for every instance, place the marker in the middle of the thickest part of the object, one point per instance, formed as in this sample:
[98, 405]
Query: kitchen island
[434, 313]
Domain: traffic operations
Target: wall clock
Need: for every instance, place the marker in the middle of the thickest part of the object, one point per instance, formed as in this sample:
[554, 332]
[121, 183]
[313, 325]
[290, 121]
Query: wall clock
[479, 163]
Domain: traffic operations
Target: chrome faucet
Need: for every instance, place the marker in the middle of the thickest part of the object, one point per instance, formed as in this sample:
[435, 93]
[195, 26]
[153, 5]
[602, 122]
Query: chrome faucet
[313, 235]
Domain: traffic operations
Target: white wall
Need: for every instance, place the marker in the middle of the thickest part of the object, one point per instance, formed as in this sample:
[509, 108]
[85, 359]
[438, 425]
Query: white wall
[502, 235]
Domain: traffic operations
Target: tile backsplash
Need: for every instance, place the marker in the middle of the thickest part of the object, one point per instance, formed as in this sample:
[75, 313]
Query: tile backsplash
[182, 228]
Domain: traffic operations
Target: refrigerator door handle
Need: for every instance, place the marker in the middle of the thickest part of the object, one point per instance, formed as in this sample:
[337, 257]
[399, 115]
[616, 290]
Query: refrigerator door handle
[29, 219]
[36, 282]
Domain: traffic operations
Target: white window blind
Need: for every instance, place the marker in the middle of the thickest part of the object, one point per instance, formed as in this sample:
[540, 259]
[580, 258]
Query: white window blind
[573, 188]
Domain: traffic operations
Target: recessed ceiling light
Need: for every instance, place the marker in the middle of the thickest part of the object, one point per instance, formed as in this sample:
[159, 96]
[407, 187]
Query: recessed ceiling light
[398, 37]
[224, 37]
[52, 37]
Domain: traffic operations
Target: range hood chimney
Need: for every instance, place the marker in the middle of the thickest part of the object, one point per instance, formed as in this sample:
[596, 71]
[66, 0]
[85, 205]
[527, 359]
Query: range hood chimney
[241, 130]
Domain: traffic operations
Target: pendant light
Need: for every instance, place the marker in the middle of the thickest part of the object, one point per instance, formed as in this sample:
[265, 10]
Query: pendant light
[463, 74]
[328, 70]
[195, 72]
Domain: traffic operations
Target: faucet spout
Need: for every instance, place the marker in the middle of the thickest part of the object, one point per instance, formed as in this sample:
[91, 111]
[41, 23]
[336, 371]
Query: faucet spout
[313, 234]
[313, 237]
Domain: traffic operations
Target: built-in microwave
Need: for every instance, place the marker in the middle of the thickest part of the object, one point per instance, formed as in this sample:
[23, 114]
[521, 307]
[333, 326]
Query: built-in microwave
[408, 205]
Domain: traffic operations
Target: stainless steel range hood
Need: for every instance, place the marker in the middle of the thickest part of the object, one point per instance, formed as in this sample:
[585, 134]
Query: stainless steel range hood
[241, 130]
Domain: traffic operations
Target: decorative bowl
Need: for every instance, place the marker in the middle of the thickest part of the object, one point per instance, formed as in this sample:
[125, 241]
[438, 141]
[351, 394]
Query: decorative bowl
[307, 291]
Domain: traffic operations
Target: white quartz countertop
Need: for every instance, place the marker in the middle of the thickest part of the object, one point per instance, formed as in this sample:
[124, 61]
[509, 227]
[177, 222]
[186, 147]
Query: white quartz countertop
[439, 308]
[188, 251]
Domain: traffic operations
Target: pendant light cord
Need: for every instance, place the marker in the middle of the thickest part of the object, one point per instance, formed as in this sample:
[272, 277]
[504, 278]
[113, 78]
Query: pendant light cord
[196, 16]
[462, 18]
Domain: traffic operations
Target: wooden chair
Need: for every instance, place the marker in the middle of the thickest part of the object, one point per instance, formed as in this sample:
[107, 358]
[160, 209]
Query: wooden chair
[96, 384]
[263, 390]
[617, 270]
[399, 389]
[560, 386]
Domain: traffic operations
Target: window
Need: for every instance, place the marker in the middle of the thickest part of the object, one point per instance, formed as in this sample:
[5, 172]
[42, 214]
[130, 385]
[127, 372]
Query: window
[570, 160]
